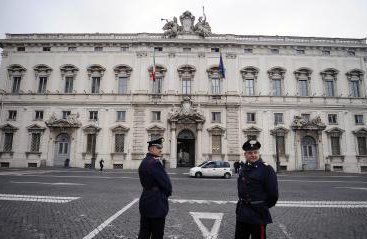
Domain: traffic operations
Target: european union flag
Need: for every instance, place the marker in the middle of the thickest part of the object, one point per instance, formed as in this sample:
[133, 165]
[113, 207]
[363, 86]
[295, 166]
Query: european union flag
[221, 67]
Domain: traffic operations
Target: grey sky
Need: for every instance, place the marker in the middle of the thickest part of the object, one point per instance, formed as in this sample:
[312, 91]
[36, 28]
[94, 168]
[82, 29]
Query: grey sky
[319, 18]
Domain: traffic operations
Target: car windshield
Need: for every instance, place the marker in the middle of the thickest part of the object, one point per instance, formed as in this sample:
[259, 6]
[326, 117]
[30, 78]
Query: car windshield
[202, 163]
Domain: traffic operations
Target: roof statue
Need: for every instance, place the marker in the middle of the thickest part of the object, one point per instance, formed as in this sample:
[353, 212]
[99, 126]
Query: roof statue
[172, 29]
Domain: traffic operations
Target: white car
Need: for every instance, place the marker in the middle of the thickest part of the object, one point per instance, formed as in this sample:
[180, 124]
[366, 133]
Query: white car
[212, 169]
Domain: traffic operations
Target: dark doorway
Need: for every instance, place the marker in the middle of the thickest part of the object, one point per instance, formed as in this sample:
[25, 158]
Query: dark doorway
[185, 149]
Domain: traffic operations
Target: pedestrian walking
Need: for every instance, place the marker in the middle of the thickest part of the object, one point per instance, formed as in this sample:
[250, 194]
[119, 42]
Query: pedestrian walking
[157, 187]
[257, 186]
[101, 164]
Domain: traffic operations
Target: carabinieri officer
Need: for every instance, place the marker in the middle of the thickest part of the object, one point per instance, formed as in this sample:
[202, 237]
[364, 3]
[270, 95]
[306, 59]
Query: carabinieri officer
[157, 187]
[257, 191]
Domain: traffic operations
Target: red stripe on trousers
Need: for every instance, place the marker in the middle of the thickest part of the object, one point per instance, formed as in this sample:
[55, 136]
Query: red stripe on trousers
[262, 232]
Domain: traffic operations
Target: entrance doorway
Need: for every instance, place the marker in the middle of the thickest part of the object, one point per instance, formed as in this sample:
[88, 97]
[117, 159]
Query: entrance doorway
[62, 149]
[309, 157]
[185, 149]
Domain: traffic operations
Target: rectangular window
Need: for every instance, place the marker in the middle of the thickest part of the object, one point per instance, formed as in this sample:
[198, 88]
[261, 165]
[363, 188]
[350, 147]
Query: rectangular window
[65, 113]
[123, 85]
[156, 116]
[157, 86]
[46, 48]
[358, 119]
[280, 141]
[124, 48]
[362, 145]
[216, 117]
[93, 115]
[335, 145]
[158, 48]
[21, 48]
[38, 115]
[306, 117]
[251, 117]
[12, 115]
[35, 142]
[8, 142]
[16, 84]
[248, 50]
[326, 52]
[186, 49]
[91, 143]
[330, 88]
[274, 51]
[96, 81]
[69, 84]
[119, 143]
[332, 118]
[42, 85]
[186, 86]
[303, 87]
[121, 116]
[278, 118]
[351, 53]
[216, 144]
[355, 88]
[71, 48]
[300, 52]
[249, 87]
[214, 49]
[98, 48]
[216, 88]
[277, 87]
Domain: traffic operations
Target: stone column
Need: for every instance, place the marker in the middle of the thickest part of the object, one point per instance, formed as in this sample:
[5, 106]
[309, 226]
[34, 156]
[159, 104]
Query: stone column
[199, 136]
[173, 156]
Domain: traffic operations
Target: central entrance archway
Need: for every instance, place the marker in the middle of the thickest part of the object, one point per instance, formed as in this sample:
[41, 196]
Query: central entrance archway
[185, 149]
[62, 149]
[309, 157]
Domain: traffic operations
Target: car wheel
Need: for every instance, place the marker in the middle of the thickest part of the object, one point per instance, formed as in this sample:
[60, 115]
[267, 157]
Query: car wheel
[227, 175]
[198, 175]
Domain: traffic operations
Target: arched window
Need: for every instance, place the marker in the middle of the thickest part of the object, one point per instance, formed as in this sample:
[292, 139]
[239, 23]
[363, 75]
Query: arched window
[95, 74]
[276, 76]
[157, 81]
[355, 82]
[68, 74]
[42, 74]
[329, 77]
[186, 74]
[249, 76]
[303, 77]
[16, 73]
[122, 76]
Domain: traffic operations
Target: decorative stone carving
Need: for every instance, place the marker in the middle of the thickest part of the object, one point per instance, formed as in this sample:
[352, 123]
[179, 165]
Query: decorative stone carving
[16, 70]
[8, 128]
[172, 29]
[186, 114]
[97, 70]
[68, 70]
[122, 70]
[71, 121]
[301, 124]
[42, 70]
[187, 71]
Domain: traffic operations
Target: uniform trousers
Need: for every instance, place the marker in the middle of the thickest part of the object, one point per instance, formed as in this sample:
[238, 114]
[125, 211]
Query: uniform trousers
[151, 228]
[244, 230]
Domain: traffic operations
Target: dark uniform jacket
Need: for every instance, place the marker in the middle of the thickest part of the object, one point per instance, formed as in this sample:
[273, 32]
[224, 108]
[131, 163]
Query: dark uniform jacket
[156, 188]
[257, 191]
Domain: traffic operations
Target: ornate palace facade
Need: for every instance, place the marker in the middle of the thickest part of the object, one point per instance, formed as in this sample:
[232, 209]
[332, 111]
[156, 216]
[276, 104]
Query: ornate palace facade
[90, 96]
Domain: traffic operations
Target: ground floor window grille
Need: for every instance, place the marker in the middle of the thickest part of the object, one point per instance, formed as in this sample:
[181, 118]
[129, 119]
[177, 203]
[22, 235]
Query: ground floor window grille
[8, 142]
[35, 142]
[119, 143]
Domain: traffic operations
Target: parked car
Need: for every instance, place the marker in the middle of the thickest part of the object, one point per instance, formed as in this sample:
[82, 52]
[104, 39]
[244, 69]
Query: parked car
[212, 169]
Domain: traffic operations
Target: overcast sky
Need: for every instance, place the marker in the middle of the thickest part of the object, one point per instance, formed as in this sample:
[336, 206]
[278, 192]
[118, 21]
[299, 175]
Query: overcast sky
[318, 18]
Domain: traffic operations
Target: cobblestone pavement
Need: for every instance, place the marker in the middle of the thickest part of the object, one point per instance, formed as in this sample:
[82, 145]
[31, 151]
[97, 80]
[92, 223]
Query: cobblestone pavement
[82, 203]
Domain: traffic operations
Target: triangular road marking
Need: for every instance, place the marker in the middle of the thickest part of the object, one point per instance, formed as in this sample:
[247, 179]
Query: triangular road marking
[213, 233]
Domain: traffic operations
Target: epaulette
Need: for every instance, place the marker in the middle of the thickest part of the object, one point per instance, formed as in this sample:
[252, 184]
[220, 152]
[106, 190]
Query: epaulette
[266, 164]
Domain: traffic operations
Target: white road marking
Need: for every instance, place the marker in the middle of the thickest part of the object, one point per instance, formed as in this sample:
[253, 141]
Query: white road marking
[353, 188]
[285, 232]
[213, 233]
[109, 220]
[35, 198]
[71, 184]
[319, 181]
[309, 204]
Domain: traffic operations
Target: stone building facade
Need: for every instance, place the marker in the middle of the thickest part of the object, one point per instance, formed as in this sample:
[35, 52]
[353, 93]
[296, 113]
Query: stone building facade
[90, 96]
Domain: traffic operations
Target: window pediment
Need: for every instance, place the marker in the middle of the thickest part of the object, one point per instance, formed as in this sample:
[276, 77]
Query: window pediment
[95, 70]
[122, 70]
[249, 72]
[216, 130]
[35, 128]
[279, 131]
[276, 73]
[252, 130]
[42, 69]
[91, 129]
[160, 70]
[68, 70]
[156, 128]
[303, 73]
[8, 128]
[119, 129]
[16, 70]
[329, 73]
[187, 71]
[360, 132]
[213, 72]
[355, 74]
[334, 132]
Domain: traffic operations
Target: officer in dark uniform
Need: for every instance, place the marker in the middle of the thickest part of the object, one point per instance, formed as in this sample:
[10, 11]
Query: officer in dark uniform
[257, 191]
[157, 187]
